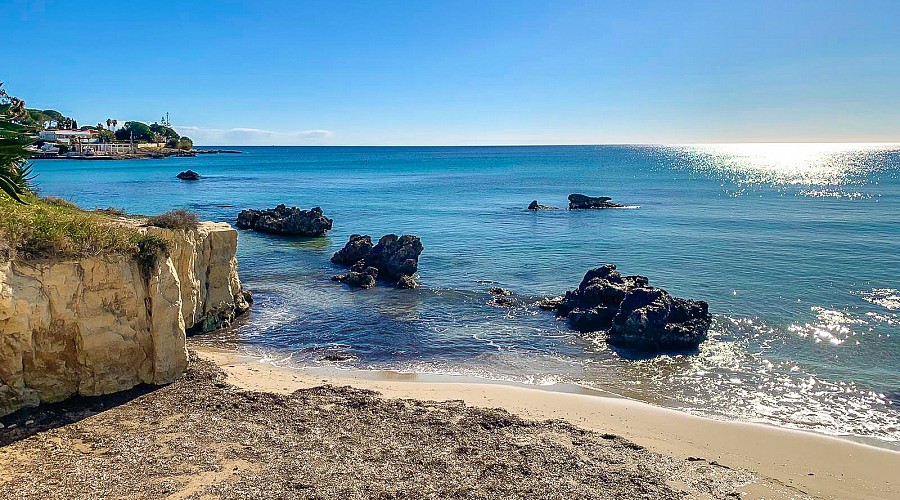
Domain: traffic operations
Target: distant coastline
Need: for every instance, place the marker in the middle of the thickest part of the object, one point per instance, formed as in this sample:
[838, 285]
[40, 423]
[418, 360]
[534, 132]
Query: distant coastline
[153, 154]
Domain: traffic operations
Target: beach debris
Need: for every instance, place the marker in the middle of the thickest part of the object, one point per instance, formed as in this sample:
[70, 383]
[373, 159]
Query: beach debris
[634, 314]
[583, 202]
[394, 258]
[285, 221]
[535, 206]
[189, 175]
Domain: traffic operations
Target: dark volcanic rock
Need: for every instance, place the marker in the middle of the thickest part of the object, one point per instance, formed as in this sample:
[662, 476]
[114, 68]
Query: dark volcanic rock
[355, 250]
[498, 292]
[396, 256]
[650, 319]
[286, 221]
[189, 175]
[535, 206]
[580, 202]
[635, 314]
[356, 279]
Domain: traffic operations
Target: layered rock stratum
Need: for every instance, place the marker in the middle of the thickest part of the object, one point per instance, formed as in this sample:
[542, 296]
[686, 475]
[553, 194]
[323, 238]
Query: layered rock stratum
[103, 324]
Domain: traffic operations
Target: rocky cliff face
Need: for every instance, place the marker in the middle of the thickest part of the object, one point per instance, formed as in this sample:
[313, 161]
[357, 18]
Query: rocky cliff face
[100, 325]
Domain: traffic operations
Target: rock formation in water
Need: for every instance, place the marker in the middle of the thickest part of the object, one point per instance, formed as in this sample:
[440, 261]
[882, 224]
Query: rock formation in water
[189, 175]
[634, 314]
[286, 221]
[361, 275]
[535, 206]
[354, 251]
[407, 283]
[395, 258]
[103, 324]
[582, 202]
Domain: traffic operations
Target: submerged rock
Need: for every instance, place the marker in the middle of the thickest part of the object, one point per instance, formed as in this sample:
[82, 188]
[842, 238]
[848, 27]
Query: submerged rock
[407, 283]
[582, 202]
[189, 175]
[498, 292]
[357, 279]
[286, 221]
[635, 314]
[549, 303]
[535, 206]
[394, 258]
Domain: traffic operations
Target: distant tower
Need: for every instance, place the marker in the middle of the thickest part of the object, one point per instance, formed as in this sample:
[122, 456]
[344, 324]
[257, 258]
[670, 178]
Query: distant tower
[168, 123]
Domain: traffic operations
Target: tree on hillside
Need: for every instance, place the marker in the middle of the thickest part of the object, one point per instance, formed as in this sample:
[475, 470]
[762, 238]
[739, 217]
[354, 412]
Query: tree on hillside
[15, 173]
[139, 131]
[54, 117]
[164, 131]
[185, 143]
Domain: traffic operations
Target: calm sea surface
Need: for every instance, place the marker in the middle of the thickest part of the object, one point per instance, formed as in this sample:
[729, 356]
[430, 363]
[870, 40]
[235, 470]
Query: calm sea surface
[795, 247]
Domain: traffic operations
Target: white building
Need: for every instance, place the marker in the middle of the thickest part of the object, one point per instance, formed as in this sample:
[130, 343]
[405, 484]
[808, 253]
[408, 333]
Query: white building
[64, 136]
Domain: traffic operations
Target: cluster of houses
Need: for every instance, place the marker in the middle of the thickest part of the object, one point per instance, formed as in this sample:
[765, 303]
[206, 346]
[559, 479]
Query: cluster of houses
[78, 143]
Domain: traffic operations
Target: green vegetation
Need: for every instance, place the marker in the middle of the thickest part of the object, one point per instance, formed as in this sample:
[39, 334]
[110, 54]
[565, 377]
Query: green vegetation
[55, 228]
[149, 250]
[175, 219]
[141, 132]
[15, 173]
[44, 119]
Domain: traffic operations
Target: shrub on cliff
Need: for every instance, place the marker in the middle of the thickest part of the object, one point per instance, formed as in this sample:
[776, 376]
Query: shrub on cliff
[175, 219]
[56, 229]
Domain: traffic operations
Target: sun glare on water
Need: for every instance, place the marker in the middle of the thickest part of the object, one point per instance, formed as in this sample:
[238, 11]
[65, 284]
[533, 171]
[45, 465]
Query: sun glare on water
[787, 163]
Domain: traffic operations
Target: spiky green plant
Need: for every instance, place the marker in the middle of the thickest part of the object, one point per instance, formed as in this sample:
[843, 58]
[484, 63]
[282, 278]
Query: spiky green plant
[15, 172]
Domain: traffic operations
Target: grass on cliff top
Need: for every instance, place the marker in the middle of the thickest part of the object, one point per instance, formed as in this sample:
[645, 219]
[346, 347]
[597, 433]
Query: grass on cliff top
[175, 219]
[52, 228]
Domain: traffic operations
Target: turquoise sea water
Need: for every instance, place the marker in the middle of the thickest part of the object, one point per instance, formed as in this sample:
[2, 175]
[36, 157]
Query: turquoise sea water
[795, 247]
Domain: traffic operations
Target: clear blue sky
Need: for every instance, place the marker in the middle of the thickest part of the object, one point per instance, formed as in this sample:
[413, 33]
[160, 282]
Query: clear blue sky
[461, 72]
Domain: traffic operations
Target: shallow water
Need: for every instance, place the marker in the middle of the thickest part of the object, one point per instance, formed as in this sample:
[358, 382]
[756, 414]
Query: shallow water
[795, 247]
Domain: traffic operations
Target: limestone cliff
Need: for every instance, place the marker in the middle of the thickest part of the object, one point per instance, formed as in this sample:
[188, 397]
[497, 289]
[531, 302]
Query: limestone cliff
[102, 324]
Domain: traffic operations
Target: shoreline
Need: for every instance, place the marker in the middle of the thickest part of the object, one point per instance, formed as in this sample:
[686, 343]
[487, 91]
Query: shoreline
[788, 461]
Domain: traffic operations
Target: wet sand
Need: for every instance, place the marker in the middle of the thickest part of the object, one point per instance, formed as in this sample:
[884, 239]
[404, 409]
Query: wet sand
[786, 463]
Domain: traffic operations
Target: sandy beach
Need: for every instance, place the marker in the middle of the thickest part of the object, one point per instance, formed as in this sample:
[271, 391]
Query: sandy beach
[203, 437]
[787, 463]
[237, 427]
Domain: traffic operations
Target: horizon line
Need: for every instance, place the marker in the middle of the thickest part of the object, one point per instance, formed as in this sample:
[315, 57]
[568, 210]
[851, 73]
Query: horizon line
[869, 143]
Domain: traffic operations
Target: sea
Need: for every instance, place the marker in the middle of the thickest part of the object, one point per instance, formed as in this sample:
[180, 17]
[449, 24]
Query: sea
[796, 248]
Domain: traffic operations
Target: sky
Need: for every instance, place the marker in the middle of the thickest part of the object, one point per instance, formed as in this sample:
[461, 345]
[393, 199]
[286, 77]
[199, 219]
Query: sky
[461, 72]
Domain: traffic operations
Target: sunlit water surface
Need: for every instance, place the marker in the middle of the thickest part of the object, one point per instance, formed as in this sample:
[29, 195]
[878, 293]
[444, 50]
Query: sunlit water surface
[795, 247]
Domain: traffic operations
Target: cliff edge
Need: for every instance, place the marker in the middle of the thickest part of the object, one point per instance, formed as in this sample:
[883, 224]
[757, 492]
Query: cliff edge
[103, 324]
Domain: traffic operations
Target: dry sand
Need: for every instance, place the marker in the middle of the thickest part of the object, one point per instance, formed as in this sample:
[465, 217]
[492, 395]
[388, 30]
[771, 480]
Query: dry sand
[202, 437]
[787, 463]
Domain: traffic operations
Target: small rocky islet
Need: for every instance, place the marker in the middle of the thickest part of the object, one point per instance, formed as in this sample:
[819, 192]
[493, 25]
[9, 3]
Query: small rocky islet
[580, 202]
[189, 175]
[634, 314]
[285, 221]
[394, 259]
